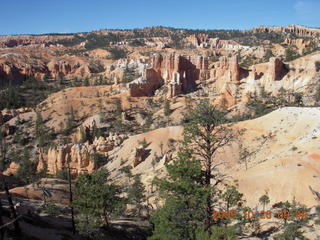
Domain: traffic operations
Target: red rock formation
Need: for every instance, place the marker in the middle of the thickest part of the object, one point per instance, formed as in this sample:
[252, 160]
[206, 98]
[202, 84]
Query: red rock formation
[275, 69]
[229, 68]
[146, 85]
[179, 72]
[140, 155]
[197, 39]
[27, 40]
[295, 29]
[12, 169]
[299, 43]
[78, 155]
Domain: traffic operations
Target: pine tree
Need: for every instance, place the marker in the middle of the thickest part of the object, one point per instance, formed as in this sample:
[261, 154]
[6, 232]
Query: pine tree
[264, 200]
[205, 135]
[3, 150]
[95, 200]
[40, 131]
[136, 193]
[190, 189]
[181, 216]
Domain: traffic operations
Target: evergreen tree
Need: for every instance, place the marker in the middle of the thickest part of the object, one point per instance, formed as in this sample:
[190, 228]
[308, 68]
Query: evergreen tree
[181, 216]
[136, 193]
[40, 131]
[96, 201]
[3, 150]
[205, 135]
[166, 108]
[264, 200]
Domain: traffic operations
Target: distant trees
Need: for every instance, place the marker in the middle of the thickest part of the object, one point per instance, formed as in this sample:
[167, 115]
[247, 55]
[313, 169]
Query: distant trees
[70, 122]
[137, 43]
[117, 53]
[290, 54]
[129, 75]
[41, 131]
[268, 55]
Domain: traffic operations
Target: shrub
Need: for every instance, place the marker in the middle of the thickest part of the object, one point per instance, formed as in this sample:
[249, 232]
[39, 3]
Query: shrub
[51, 209]
[117, 53]
[62, 174]
[99, 159]
[291, 54]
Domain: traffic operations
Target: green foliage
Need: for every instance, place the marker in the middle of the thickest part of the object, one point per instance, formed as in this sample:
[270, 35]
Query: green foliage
[190, 188]
[225, 233]
[291, 54]
[51, 209]
[11, 98]
[166, 108]
[3, 151]
[86, 82]
[62, 174]
[268, 55]
[182, 213]
[99, 159]
[117, 53]
[137, 43]
[27, 94]
[297, 218]
[28, 169]
[259, 107]
[298, 98]
[248, 61]
[127, 171]
[70, 122]
[41, 131]
[264, 200]
[129, 75]
[70, 42]
[291, 231]
[96, 201]
[136, 194]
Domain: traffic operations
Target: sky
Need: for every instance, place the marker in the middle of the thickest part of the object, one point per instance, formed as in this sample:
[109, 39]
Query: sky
[70, 16]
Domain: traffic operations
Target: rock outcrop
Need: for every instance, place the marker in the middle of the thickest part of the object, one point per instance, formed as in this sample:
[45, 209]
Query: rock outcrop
[146, 85]
[276, 69]
[78, 156]
[229, 69]
[140, 155]
[179, 72]
[295, 29]
[31, 41]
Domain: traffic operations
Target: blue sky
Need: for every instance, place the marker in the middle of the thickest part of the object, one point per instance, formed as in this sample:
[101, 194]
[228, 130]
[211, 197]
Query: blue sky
[64, 16]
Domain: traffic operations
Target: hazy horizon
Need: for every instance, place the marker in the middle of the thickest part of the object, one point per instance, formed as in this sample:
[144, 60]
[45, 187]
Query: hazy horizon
[37, 17]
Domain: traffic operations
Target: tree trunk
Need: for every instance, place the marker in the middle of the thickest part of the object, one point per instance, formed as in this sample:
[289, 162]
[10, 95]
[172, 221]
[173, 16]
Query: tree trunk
[2, 230]
[71, 200]
[105, 215]
[13, 211]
